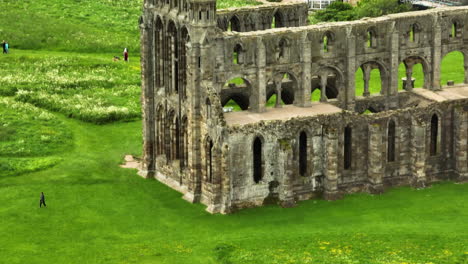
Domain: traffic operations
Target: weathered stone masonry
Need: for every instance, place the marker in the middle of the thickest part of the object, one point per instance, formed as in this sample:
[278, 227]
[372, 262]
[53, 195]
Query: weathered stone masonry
[195, 59]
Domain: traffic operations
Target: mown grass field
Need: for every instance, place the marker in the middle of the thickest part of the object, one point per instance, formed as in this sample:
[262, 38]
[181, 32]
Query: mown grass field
[68, 115]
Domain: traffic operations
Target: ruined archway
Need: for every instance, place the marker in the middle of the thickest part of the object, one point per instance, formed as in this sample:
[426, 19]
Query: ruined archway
[452, 68]
[235, 94]
[281, 89]
[371, 78]
[329, 82]
[416, 73]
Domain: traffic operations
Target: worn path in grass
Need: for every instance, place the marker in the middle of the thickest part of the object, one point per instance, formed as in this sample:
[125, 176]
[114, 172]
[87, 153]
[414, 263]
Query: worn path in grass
[100, 213]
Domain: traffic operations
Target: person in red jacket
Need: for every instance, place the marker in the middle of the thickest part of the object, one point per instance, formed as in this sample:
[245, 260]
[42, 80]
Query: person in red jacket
[125, 54]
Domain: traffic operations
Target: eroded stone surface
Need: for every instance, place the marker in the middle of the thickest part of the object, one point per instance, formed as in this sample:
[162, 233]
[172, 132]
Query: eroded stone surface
[300, 150]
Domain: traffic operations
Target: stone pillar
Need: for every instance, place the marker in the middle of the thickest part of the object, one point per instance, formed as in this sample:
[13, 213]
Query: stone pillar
[436, 56]
[350, 72]
[465, 65]
[394, 62]
[287, 192]
[304, 98]
[323, 87]
[375, 159]
[461, 142]
[147, 73]
[366, 71]
[278, 94]
[418, 153]
[225, 181]
[194, 89]
[258, 98]
[331, 161]
[409, 82]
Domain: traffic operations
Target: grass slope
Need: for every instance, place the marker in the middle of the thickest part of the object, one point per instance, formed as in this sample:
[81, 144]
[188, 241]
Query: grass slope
[100, 213]
[77, 25]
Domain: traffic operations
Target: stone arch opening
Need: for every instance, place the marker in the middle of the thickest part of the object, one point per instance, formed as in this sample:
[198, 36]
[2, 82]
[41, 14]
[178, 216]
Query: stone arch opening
[238, 54]
[283, 49]
[326, 84]
[303, 153]
[184, 143]
[371, 78]
[234, 24]
[281, 89]
[257, 160]
[169, 135]
[456, 29]
[347, 147]
[434, 136]
[416, 71]
[172, 57]
[277, 20]
[208, 108]
[235, 94]
[160, 130]
[391, 136]
[159, 51]
[452, 68]
[371, 38]
[182, 70]
[177, 136]
[327, 41]
[209, 160]
[414, 33]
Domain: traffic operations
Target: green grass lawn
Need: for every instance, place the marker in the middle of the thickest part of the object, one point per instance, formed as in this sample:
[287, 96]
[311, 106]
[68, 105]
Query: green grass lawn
[89, 87]
[100, 213]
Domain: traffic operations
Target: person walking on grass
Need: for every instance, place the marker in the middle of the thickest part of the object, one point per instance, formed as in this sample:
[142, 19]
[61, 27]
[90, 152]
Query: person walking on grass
[4, 47]
[7, 47]
[42, 201]
[125, 54]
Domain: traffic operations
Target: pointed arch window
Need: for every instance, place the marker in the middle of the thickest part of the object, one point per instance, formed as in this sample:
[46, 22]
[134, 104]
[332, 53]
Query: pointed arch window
[238, 56]
[257, 160]
[391, 141]
[347, 147]
[303, 154]
[434, 135]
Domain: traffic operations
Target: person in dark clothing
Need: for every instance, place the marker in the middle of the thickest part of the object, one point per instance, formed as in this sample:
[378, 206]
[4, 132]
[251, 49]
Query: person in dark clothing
[42, 201]
[4, 47]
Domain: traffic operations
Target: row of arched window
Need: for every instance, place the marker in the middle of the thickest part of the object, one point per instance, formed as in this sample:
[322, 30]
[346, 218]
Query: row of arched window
[303, 146]
[327, 40]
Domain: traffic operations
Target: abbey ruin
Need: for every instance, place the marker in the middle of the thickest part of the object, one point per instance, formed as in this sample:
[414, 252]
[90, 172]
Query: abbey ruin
[196, 59]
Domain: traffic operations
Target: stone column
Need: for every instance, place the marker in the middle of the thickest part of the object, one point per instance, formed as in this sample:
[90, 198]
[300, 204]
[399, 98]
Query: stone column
[323, 87]
[304, 99]
[375, 169]
[331, 161]
[287, 192]
[394, 62]
[366, 71]
[147, 73]
[278, 94]
[418, 153]
[349, 93]
[409, 75]
[436, 56]
[193, 94]
[225, 180]
[465, 65]
[258, 98]
[461, 142]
